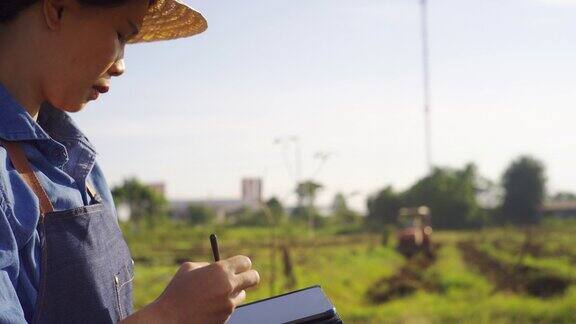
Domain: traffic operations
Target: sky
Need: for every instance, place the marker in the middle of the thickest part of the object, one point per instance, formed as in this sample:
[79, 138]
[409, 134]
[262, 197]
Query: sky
[344, 77]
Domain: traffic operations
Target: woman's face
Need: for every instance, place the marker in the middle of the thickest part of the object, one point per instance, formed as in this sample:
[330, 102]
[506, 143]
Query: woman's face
[86, 48]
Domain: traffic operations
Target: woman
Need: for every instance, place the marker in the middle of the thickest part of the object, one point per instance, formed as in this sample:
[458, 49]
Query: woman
[62, 255]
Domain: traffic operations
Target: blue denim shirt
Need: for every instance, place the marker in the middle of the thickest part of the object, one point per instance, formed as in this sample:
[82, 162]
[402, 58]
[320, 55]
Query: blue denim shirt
[63, 160]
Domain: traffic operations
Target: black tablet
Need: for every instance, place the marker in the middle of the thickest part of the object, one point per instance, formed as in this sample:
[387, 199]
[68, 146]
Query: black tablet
[308, 305]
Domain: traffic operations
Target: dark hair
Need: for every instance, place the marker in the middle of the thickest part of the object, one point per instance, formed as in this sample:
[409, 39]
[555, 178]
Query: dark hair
[9, 9]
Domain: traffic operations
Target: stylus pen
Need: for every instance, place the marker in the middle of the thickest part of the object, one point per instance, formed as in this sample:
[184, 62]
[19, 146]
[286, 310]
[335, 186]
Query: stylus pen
[215, 249]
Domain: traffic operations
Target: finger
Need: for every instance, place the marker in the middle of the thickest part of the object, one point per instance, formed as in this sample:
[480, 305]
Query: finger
[239, 297]
[239, 263]
[246, 280]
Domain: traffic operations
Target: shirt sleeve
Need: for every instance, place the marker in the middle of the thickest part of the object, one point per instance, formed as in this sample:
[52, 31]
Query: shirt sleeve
[11, 311]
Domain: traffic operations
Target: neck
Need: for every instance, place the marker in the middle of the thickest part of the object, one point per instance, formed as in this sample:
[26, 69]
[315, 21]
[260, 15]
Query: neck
[21, 90]
[17, 69]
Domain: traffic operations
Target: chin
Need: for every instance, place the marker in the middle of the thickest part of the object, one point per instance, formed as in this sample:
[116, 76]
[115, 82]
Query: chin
[69, 106]
[74, 108]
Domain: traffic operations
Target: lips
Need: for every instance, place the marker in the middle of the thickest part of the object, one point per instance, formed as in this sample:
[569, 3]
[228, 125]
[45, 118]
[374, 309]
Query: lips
[101, 88]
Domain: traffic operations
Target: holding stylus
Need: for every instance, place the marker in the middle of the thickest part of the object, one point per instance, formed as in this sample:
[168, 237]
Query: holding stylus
[215, 248]
[202, 292]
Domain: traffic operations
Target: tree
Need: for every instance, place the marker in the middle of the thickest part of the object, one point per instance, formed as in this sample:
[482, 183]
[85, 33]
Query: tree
[341, 213]
[383, 208]
[307, 192]
[563, 196]
[199, 214]
[145, 203]
[270, 213]
[524, 185]
[451, 196]
[276, 210]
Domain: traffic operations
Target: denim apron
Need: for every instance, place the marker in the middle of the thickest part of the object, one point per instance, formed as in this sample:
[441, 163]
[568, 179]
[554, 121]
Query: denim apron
[86, 269]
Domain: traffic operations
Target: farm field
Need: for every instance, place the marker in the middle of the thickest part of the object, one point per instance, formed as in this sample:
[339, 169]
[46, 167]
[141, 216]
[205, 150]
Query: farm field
[500, 275]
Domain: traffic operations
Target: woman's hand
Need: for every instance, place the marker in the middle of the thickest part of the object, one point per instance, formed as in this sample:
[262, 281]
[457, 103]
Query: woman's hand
[201, 293]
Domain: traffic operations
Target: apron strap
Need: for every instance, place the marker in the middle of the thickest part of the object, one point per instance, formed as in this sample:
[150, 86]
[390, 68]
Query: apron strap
[22, 165]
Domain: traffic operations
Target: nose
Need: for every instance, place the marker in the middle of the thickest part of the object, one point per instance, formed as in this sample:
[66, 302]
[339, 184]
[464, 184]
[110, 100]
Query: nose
[117, 69]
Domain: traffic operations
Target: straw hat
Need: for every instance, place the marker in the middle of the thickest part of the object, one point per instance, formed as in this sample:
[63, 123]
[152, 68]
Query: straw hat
[169, 19]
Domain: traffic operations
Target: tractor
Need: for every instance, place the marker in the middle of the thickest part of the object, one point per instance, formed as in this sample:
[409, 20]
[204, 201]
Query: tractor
[415, 233]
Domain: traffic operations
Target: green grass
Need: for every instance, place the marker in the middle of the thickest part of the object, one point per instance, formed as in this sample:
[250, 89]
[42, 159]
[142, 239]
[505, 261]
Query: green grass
[346, 266]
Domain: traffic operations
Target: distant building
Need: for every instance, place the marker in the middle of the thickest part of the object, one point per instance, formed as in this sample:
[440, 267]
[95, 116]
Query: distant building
[324, 211]
[252, 190]
[123, 212]
[251, 197]
[222, 207]
[559, 209]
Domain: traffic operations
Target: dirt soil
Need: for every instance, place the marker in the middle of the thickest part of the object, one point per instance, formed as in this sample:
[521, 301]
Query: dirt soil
[513, 277]
[407, 280]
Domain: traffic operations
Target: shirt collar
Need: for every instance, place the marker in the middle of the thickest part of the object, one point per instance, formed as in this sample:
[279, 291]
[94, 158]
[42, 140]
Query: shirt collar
[54, 128]
[61, 127]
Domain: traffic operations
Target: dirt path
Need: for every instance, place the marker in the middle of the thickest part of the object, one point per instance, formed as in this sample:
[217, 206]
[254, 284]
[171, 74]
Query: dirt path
[517, 278]
[406, 281]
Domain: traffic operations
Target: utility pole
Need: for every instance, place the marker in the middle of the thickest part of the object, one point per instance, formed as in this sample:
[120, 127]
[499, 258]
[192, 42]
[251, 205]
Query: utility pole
[323, 156]
[297, 163]
[426, 83]
[294, 173]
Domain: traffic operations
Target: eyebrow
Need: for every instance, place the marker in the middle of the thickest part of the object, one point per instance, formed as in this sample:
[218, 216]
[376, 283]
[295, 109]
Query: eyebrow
[135, 29]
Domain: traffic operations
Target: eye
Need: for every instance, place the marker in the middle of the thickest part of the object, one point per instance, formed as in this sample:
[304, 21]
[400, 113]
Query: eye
[120, 38]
